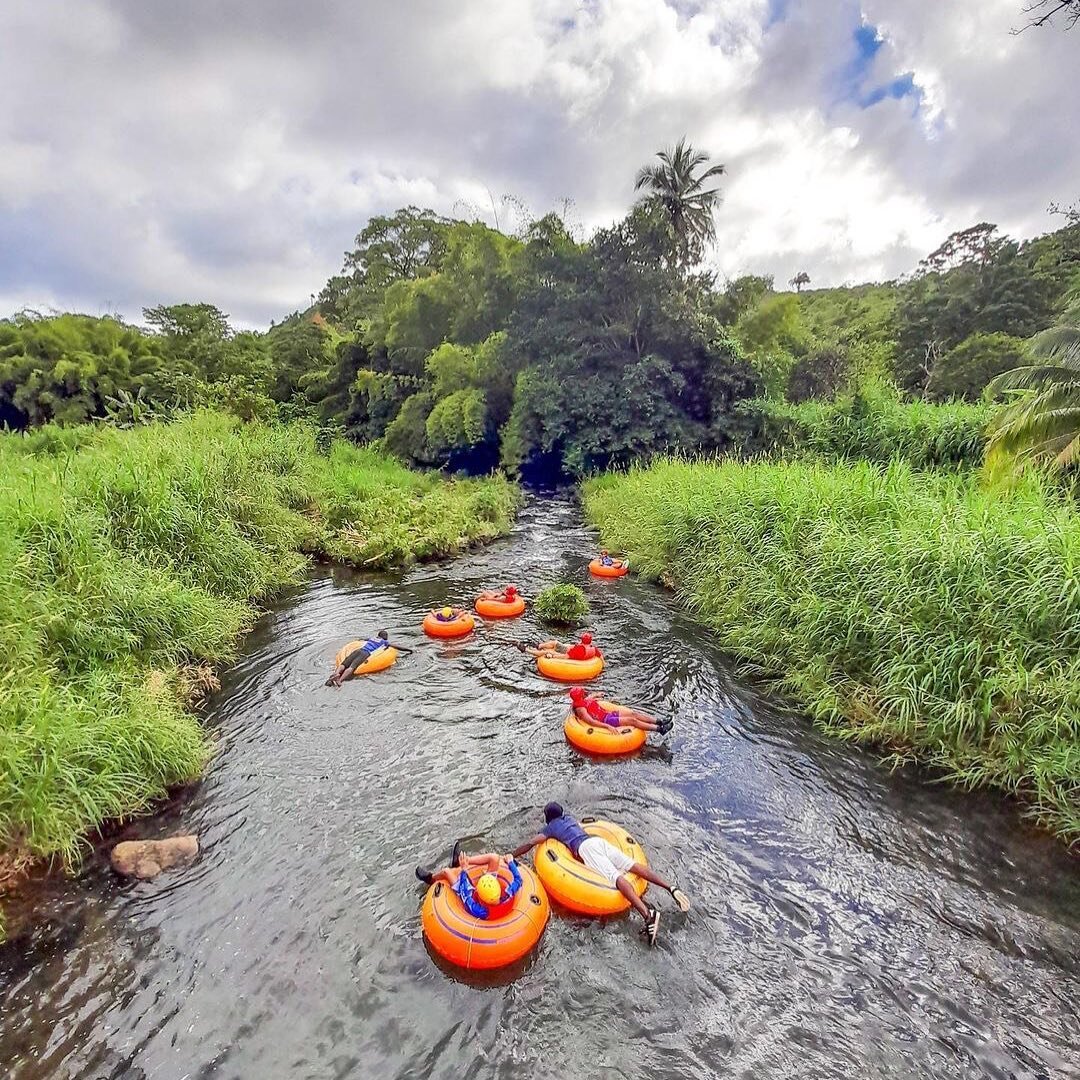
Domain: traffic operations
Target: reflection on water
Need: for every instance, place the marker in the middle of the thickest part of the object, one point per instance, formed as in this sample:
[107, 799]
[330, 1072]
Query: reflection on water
[847, 922]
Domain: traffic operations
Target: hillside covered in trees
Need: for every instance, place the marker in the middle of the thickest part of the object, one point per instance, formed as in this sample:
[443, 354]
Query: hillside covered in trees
[458, 345]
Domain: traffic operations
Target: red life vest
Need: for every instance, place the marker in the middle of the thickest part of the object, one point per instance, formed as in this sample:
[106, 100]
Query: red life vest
[593, 707]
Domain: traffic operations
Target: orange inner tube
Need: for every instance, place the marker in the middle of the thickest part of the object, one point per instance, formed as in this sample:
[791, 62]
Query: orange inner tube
[458, 627]
[580, 889]
[600, 738]
[476, 943]
[380, 661]
[563, 669]
[500, 609]
[598, 569]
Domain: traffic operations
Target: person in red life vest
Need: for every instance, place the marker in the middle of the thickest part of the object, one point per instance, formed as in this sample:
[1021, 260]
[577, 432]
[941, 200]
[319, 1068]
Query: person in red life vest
[591, 710]
[582, 649]
[506, 596]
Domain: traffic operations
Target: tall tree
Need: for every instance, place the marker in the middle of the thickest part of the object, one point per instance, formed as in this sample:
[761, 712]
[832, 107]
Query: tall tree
[402, 246]
[975, 282]
[799, 280]
[677, 188]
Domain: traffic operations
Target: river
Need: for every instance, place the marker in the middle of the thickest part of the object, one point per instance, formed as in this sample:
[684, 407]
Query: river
[847, 922]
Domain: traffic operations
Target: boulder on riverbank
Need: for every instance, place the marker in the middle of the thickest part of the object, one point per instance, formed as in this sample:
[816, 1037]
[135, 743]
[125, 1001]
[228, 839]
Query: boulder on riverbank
[145, 859]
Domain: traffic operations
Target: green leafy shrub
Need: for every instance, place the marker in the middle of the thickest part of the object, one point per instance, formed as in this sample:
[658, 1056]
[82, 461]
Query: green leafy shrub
[965, 372]
[562, 605]
[915, 610]
[874, 424]
[130, 553]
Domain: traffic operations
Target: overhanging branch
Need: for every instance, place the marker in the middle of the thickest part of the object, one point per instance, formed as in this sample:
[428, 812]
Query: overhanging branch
[1043, 13]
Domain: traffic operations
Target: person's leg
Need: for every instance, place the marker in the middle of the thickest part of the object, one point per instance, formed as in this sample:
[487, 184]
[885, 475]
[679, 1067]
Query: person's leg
[649, 875]
[448, 875]
[625, 886]
[654, 878]
[638, 720]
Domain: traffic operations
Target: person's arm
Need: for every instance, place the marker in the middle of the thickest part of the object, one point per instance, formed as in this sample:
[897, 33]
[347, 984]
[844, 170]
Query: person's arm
[515, 878]
[489, 860]
[523, 849]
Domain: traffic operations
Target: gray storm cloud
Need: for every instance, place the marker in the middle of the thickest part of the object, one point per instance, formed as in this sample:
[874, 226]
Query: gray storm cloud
[154, 152]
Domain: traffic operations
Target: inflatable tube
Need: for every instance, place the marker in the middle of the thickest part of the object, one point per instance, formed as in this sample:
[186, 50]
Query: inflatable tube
[458, 627]
[600, 738]
[382, 659]
[598, 569]
[564, 669]
[580, 889]
[500, 609]
[476, 943]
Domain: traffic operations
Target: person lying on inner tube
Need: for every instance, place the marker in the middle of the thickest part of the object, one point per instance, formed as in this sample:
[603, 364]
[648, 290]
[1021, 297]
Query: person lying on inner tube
[507, 596]
[582, 649]
[447, 614]
[607, 560]
[589, 710]
[347, 668]
[606, 859]
[488, 892]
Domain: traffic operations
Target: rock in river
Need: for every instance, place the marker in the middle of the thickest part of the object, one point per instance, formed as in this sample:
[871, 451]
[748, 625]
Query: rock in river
[147, 858]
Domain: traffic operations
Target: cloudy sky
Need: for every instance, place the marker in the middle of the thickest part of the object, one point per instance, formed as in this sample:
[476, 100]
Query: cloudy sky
[154, 151]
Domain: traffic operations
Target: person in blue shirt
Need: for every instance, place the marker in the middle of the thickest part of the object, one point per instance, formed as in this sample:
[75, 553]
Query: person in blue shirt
[347, 668]
[479, 897]
[607, 560]
[606, 859]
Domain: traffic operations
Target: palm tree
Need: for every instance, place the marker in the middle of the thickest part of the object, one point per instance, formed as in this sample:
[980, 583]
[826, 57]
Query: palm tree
[799, 280]
[678, 190]
[1043, 423]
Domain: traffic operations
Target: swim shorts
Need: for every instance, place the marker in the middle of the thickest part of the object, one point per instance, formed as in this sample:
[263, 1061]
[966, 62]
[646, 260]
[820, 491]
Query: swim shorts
[597, 854]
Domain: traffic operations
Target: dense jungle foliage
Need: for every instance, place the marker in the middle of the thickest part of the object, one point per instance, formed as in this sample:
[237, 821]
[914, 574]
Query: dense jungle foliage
[457, 345]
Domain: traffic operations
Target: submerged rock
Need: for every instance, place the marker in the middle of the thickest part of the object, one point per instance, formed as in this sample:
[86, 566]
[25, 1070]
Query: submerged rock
[147, 858]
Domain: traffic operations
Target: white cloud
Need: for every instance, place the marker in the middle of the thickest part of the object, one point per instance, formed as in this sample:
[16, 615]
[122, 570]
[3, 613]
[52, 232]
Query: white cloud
[149, 154]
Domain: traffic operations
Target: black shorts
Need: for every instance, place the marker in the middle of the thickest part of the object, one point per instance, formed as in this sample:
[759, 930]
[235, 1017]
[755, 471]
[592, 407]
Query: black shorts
[356, 658]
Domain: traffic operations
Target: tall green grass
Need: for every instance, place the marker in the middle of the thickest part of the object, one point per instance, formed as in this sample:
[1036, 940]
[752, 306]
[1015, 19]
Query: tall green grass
[125, 554]
[876, 425]
[917, 611]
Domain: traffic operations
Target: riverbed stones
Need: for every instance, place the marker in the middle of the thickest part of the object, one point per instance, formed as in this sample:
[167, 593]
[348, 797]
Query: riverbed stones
[145, 859]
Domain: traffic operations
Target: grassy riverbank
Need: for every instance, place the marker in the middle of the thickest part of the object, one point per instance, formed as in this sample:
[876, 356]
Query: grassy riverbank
[130, 557]
[916, 611]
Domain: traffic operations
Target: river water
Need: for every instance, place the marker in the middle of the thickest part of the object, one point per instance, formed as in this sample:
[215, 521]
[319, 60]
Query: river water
[847, 922]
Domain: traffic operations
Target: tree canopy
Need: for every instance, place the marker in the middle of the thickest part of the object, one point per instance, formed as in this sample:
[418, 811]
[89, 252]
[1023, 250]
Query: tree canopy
[458, 345]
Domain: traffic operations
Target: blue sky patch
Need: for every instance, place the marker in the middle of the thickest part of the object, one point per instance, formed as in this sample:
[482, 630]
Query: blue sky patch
[852, 81]
[777, 12]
